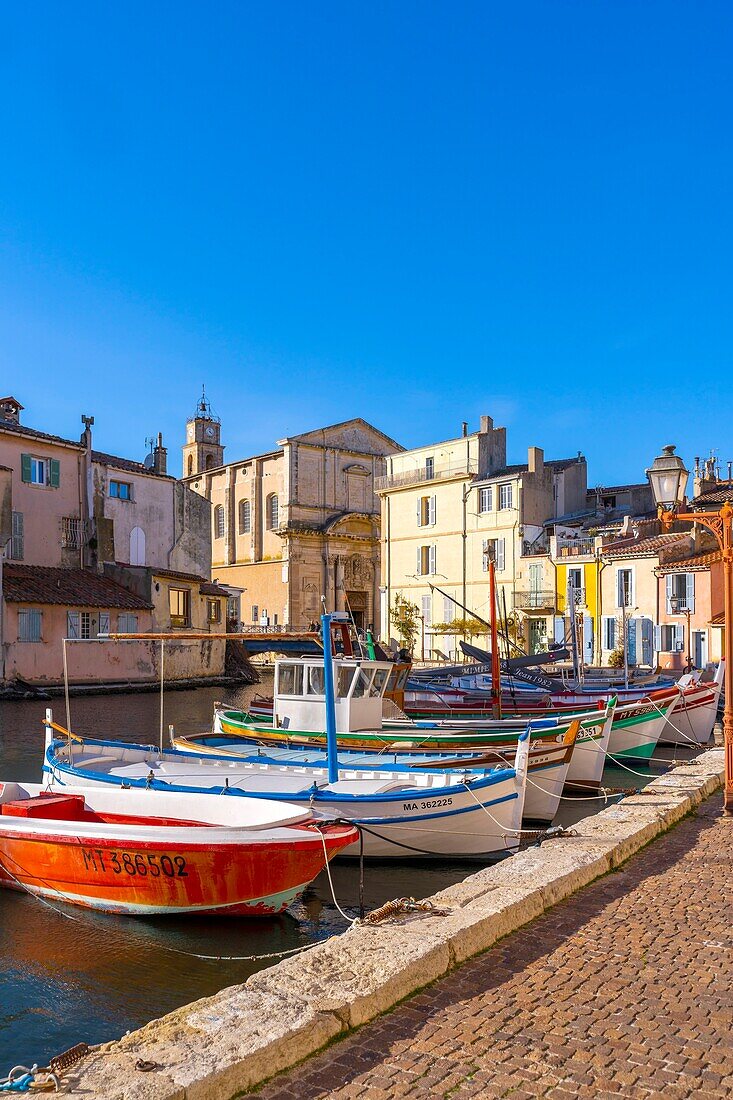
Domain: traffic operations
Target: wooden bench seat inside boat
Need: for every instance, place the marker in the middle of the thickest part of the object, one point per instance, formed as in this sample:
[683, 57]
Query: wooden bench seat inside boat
[62, 807]
[72, 807]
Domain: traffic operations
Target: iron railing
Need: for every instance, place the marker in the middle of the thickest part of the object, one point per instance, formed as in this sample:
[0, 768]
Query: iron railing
[571, 548]
[75, 532]
[423, 474]
[534, 600]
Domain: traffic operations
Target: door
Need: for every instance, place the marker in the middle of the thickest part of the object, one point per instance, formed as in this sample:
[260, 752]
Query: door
[631, 640]
[647, 641]
[537, 635]
[700, 648]
[587, 640]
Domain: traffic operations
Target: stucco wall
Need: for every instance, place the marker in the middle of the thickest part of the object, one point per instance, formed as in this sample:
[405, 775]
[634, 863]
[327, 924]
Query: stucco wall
[42, 506]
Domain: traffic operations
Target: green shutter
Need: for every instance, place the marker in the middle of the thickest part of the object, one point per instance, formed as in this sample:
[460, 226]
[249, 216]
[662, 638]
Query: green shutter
[55, 473]
[25, 466]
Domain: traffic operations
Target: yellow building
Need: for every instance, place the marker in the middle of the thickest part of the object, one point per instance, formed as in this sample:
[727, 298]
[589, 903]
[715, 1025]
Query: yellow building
[447, 510]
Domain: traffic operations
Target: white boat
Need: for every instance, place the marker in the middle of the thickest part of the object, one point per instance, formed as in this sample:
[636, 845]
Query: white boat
[431, 814]
[694, 715]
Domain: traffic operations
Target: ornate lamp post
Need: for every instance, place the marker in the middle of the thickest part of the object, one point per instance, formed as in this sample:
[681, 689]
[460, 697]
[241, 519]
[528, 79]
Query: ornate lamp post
[668, 478]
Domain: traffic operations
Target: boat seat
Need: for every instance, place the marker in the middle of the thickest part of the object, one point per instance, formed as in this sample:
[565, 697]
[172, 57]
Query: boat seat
[60, 807]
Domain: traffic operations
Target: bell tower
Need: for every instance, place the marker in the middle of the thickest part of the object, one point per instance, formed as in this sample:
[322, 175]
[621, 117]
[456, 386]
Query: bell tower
[202, 450]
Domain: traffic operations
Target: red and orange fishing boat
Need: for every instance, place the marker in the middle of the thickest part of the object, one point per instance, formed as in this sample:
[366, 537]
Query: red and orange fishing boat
[146, 853]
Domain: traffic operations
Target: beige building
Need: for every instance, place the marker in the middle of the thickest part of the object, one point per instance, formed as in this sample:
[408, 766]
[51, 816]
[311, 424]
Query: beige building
[295, 524]
[450, 507]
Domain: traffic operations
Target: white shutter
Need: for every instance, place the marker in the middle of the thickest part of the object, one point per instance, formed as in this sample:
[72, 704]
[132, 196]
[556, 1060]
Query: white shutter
[72, 624]
[431, 511]
[485, 556]
[427, 610]
[690, 591]
[448, 612]
[103, 622]
[419, 561]
[500, 555]
[657, 639]
[679, 637]
[419, 511]
[668, 588]
[431, 559]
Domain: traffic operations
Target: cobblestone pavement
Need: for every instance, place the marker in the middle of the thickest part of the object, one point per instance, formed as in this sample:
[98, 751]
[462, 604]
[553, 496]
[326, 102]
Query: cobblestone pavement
[623, 990]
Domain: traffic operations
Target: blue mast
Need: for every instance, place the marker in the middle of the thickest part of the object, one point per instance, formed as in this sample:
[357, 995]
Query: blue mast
[331, 745]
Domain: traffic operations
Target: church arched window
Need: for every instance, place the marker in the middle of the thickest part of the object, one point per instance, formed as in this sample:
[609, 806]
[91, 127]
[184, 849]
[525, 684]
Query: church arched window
[245, 517]
[190, 465]
[209, 464]
[273, 512]
[219, 521]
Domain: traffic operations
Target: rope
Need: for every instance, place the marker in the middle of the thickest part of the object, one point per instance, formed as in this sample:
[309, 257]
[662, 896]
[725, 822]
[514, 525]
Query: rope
[399, 906]
[351, 920]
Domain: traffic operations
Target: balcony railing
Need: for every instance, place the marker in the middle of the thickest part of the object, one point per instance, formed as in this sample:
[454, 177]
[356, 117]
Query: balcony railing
[573, 595]
[544, 600]
[75, 532]
[416, 477]
[572, 548]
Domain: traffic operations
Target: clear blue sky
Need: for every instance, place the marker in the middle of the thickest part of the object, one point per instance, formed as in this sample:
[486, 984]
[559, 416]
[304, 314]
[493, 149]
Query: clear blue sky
[409, 212]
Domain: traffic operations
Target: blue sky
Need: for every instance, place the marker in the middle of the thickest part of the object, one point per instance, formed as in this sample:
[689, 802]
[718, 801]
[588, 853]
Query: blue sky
[409, 212]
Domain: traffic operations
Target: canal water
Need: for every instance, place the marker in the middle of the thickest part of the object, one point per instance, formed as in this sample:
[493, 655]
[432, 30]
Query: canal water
[69, 975]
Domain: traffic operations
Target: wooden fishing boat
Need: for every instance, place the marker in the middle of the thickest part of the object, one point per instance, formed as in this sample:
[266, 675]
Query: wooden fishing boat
[547, 770]
[432, 814]
[145, 853]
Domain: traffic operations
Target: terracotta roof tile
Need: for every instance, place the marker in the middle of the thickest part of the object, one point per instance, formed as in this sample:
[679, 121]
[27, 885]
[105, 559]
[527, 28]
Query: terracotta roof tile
[718, 495]
[33, 433]
[641, 548]
[70, 587]
[702, 560]
[127, 464]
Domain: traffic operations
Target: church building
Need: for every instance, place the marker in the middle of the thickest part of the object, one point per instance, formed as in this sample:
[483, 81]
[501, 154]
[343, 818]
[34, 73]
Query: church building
[296, 523]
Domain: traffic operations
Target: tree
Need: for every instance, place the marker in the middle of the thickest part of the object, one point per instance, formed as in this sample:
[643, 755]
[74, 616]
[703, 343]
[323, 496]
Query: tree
[470, 627]
[404, 616]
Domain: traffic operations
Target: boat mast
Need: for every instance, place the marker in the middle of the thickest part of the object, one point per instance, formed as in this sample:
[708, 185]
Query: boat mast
[495, 671]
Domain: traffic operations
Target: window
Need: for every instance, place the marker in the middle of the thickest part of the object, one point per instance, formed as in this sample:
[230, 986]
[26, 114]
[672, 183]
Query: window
[16, 541]
[486, 500]
[680, 592]
[29, 625]
[273, 512]
[126, 623]
[137, 546]
[575, 591]
[219, 521]
[493, 550]
[290, 679]
[213, 611]
[624, 588]
[245, 517]
[426, 511]
[610, 631]
[179, 602]
[425, 560]
[87, 624]
[120, 490]
[506, 497]
[316, 682]
[190, 465]
[671, 638]
[427, 610]
[429, 468]
[255, 612]
[40, 471]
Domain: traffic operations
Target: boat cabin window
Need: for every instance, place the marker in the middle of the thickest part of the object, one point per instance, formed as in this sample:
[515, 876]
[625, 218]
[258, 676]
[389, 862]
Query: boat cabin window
[362, 684]
[393, 676]
[290, 679]
[402, 678]
[380, 679]
[343, 682]
[316, 680]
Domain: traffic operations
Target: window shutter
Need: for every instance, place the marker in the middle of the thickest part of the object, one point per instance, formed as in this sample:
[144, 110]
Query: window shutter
[657, 639]
[427, 610]
[690, 591]
[419, 511]
[432, 568]
[679, 637]
[103, 622]
[500, 555]
[668, 586]
[72, 624]
[25, 468]
[448, 612]
[54, 473]
[431, 511]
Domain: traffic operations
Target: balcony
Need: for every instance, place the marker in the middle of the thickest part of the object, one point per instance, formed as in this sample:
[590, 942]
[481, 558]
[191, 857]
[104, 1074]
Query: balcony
[417, 477]
[75, 532]
[575, 548]
[574, 596]
[534, 601]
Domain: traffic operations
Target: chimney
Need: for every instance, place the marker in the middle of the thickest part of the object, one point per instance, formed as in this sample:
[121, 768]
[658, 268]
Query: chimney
[536, 460]
[10, 410]
[486, 424]
[160, 456]
[465, 428]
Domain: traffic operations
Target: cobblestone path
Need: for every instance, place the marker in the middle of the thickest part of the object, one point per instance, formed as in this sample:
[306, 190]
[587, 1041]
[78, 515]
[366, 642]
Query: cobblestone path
[623, 990]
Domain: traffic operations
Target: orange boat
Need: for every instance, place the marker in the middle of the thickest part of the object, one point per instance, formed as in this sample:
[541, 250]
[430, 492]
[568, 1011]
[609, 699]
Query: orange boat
[146, 853]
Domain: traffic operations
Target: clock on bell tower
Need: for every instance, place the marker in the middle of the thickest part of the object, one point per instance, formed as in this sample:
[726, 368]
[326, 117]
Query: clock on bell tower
[202, 450]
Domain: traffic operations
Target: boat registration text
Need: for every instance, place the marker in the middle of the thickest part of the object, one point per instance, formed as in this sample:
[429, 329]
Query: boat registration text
[134, 863]
[431, 804]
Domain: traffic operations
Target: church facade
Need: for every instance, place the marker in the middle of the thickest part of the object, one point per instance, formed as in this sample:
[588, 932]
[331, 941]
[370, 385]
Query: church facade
[295, 524]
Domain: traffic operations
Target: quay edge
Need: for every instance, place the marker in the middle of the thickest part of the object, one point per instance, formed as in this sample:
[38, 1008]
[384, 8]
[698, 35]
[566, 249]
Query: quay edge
[219, 1047]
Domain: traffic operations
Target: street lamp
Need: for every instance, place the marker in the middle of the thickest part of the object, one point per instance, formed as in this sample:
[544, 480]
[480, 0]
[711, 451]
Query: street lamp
[668, 478]
[678, 606]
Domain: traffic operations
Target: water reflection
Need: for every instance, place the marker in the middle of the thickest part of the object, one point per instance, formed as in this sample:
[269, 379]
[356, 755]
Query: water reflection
[70, 975]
